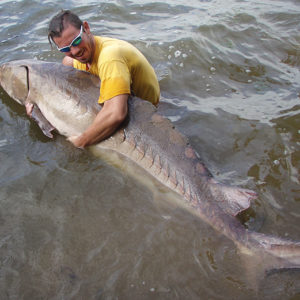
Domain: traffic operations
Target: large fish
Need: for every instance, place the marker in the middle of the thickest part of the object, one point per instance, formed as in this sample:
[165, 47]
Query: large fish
[65, 99]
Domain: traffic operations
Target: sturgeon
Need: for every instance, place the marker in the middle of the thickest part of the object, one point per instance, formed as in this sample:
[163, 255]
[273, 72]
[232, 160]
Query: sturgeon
[65, 99]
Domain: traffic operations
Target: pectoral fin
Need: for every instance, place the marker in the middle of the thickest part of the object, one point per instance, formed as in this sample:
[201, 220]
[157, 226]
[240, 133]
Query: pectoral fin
[43, 123]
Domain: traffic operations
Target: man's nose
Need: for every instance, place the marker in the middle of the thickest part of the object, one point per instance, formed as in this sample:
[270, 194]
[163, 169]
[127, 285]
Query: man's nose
[74, 50]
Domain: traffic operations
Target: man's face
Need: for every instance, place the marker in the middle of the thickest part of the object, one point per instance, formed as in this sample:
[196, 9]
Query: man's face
[85, 50]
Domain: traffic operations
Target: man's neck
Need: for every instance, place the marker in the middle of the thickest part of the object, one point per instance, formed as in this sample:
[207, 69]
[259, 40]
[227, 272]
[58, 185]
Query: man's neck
[93, 53]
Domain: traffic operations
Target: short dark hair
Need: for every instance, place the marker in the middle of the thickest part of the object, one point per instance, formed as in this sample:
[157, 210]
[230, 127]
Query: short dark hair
[59, 22]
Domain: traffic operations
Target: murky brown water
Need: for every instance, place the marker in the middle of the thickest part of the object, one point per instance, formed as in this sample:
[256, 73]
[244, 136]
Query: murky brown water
[75, 227]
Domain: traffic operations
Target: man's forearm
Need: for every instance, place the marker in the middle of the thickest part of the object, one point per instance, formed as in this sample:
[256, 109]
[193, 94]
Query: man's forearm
[105, 124]
[99, 130]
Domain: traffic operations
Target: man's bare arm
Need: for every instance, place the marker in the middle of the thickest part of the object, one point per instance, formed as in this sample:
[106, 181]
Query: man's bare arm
[67, 61]
[112, 114]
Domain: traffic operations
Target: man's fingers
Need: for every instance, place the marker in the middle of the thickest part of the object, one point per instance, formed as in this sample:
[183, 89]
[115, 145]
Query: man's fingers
[29, 108]
[71, 138]
[74, 140]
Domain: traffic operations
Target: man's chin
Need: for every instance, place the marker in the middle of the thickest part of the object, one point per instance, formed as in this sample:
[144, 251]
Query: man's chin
[82, 60]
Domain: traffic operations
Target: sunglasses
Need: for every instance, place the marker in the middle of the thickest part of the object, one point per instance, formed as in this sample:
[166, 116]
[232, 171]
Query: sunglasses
[74, 43]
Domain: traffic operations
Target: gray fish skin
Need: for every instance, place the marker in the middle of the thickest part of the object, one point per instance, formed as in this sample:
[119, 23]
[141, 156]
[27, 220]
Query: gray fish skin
[67, 99]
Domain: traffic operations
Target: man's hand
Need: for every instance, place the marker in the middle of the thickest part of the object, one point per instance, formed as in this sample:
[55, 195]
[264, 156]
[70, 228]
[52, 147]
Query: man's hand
[75, 140]
[29, 108]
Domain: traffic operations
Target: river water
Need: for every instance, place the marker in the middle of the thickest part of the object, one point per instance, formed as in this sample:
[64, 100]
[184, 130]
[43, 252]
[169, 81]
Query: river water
[76, 227]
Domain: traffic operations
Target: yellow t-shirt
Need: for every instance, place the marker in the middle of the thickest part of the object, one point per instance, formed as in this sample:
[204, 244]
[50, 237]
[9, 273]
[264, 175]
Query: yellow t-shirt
[122, 69]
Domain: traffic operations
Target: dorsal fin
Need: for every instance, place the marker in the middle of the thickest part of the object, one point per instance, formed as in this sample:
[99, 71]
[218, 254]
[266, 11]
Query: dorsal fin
[232, 200]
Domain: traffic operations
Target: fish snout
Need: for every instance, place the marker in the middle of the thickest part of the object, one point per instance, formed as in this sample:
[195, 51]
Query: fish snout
[2, 72]
[14, 80]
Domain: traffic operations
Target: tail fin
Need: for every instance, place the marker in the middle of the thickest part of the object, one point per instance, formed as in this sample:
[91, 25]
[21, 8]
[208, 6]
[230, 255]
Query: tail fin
[288, 252]
[270, 261]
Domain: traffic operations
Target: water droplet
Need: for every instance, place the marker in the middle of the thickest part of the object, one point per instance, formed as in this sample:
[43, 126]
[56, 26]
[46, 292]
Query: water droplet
[177, 53]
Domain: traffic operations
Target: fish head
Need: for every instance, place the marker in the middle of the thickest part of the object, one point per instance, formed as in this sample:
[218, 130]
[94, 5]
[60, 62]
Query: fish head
[14, 80]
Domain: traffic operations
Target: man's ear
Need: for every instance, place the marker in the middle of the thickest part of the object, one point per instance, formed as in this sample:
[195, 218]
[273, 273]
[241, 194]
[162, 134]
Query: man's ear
[86, 27]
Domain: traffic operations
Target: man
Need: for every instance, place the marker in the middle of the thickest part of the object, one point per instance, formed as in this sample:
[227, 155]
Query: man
[122, 69]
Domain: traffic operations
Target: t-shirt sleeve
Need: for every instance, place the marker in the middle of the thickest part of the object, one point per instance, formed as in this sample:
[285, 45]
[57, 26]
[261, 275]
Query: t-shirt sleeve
[115, 79]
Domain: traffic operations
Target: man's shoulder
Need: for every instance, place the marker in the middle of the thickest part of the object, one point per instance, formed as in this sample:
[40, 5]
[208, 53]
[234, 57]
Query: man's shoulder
[112, 50]
[111, 44]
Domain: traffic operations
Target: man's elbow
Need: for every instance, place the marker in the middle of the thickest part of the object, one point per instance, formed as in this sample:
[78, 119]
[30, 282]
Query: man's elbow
[122, 110]
[120, 116]
[117, 109]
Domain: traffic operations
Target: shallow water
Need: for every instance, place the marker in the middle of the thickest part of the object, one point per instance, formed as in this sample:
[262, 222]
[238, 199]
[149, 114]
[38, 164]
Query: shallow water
[76, 227]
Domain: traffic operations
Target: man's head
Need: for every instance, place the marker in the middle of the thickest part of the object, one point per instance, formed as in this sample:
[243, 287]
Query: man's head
[72, 36]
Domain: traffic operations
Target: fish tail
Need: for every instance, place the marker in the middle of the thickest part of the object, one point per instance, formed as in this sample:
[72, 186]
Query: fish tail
[265, 256]
[286, 251]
